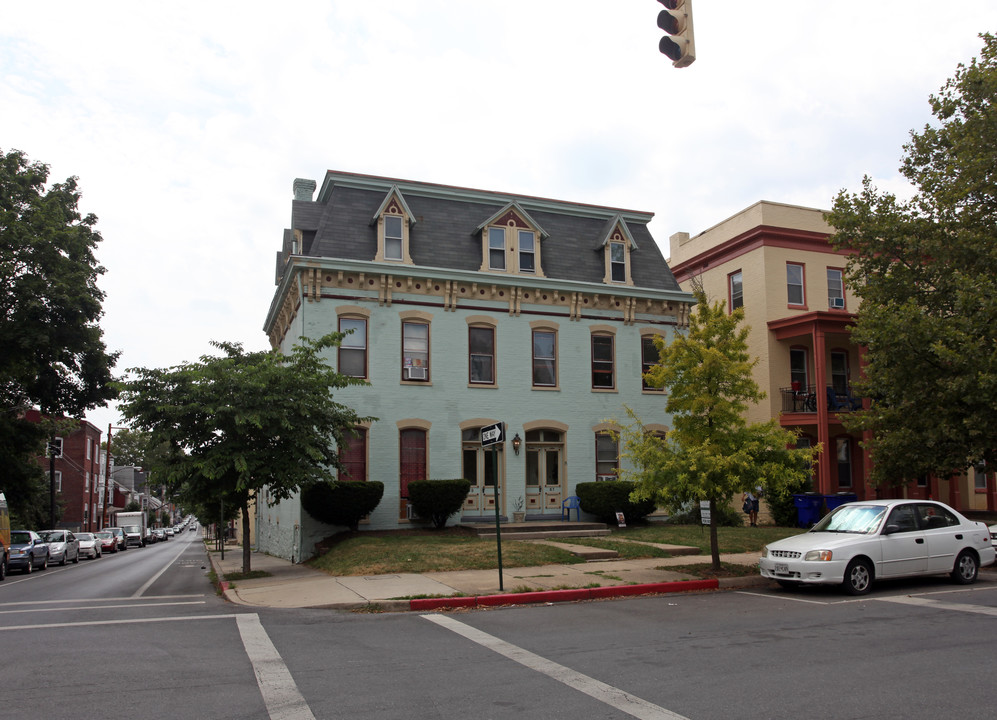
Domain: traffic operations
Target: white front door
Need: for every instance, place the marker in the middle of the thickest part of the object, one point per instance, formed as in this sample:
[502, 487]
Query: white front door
[478, 466]
[544, 472]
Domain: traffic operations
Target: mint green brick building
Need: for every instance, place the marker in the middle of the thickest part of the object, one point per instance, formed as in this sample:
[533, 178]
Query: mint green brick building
[469, 308]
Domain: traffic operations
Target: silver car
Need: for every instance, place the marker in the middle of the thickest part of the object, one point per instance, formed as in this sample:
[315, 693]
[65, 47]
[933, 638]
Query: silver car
[62, 546]
[89, 545]
[868, 540]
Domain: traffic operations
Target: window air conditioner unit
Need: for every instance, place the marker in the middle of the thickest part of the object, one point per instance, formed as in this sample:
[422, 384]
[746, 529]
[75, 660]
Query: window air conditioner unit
[415, 373]
[838, 303]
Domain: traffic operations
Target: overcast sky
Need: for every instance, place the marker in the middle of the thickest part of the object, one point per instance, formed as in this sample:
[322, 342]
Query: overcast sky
[186, 122]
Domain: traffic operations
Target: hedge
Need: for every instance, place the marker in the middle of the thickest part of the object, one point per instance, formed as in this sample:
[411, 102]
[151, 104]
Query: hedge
[437, 500]
[607, 497]
[342, 502]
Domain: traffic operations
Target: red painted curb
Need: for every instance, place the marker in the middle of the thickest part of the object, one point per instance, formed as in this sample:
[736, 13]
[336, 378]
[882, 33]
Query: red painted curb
[550, 596]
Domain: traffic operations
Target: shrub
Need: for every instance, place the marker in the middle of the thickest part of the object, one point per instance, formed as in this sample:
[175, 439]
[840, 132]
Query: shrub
[607, 497]
[783, 506]
[437, 500]
[342, 503]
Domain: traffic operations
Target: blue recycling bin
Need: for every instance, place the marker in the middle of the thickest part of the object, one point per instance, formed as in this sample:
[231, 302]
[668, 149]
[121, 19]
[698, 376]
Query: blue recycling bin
[833, 501]
[808, 508]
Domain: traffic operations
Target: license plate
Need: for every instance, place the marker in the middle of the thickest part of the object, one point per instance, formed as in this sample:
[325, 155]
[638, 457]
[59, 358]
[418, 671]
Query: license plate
[781, 569]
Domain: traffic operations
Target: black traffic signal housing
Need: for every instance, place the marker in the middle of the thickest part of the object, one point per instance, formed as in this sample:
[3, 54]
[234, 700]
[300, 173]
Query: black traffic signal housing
[679, 45]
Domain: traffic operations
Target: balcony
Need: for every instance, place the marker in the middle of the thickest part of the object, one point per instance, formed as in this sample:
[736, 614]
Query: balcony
[804, 400]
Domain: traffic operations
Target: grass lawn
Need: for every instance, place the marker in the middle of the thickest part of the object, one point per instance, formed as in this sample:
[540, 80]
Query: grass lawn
[368, 553]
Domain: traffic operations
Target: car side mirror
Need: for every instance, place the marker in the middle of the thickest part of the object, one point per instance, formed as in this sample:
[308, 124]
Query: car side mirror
[890, 529]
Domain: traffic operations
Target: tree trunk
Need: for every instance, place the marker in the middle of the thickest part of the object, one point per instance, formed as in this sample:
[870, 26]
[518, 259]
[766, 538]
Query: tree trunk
[714, 544]
[246, 549]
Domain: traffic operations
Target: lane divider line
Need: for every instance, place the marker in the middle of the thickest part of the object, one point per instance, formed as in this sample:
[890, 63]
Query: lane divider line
[280, 693]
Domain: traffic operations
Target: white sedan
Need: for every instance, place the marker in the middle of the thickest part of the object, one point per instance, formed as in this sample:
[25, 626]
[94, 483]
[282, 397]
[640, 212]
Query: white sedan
[868, 540]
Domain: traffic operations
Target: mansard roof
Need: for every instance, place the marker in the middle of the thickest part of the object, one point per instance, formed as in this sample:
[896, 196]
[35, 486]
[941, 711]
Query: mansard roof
[449, 221]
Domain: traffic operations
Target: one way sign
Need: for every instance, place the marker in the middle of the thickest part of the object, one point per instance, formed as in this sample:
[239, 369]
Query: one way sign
[493, 434]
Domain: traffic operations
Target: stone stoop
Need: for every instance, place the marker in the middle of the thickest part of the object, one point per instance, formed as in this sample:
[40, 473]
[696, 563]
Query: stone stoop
[541, 530]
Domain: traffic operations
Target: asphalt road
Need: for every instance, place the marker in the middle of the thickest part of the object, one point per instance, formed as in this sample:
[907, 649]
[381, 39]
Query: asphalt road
[141, 634]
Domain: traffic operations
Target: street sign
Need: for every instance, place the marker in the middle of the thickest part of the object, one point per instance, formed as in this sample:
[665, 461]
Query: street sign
[492, 434]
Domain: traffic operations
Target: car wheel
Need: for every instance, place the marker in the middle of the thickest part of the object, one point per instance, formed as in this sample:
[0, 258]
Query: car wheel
[3, 569]
[76, 559]
[45, 563]
[966, 568]
[30, 566]
[858, 577]
[788, 584]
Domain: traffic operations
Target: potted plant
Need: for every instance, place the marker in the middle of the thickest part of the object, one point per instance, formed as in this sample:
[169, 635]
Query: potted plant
[518, 515]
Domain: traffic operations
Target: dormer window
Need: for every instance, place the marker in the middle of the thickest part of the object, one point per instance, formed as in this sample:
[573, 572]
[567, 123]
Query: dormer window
[496, 248]
[527, 251]
[617, 246]
[618, 262]
[393, 237]
[511, 242]
[394, 223]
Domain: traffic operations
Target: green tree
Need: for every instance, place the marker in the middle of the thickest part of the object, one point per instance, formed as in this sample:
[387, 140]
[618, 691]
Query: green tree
[52, 352]
[242, 421]
[924, 270]
[711, 452]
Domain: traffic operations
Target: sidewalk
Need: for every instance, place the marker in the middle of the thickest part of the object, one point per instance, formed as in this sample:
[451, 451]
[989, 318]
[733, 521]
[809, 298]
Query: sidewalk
[299, 586]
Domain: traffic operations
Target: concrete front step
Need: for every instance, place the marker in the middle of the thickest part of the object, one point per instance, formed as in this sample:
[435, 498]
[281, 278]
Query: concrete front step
[545, 534]
[487, 529]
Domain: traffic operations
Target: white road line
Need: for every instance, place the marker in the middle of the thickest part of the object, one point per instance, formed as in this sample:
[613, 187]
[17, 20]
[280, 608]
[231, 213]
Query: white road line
[280, 693]
[141, 601]
[134, 621]
[154, 578]
[602, 692]
[927, 602]
[97, 607]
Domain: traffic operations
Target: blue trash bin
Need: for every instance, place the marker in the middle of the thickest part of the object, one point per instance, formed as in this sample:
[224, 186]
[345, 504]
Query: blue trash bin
[808, 508]
[833, 501]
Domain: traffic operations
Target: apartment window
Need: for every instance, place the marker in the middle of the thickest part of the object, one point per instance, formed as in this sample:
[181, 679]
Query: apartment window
[392, 237]
[86, 481]
[415, 351]
[496, 248]
[58, 480]
[844, 453]
[353, 348]
[794, 284]
[544, 358]
[798, 368]
[618, 261]
[481, 343]
[980, 477]
[607, 456]
[527, 251]
[602, 362]
[839, 372]
[649, 357]
[835, 289]
[353, 455]
[89, 443]
[736, 290]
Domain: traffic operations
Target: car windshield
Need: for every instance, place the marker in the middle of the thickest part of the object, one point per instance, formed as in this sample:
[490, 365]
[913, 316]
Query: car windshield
[52, 536]
[852, 518]
[20, 538]
[130, 528]
[105, 535]
[84, 536]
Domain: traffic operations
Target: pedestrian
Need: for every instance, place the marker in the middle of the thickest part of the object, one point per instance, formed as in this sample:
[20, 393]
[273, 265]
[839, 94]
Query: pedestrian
[750, 505]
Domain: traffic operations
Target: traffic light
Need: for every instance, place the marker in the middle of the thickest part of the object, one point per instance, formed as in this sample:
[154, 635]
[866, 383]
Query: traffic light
[679, 45]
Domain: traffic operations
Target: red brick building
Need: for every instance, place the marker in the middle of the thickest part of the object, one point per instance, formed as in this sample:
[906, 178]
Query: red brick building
[77, 475]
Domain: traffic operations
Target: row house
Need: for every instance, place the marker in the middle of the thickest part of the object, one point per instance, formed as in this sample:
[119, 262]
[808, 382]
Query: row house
[77, 463]
[775, 261]
[467, 308]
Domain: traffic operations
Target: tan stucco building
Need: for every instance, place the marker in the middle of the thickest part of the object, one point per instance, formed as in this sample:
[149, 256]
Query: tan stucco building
[775, 261]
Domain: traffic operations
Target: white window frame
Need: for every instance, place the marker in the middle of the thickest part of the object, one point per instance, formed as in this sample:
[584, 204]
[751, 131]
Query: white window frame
[791, 284]
[531, 253]
[496, 248]
[393, 240]
[412, 369]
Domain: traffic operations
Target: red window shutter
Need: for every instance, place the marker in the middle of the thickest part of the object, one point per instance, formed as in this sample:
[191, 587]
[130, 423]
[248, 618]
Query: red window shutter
[353, 455]
[413, 458]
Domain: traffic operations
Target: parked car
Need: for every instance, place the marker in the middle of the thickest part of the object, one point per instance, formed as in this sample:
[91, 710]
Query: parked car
[108, 541]
[119, 535]
[89, 545]
[159, 534]
[860, 542]
[27, 551]
[170, 532]
[62, 546]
